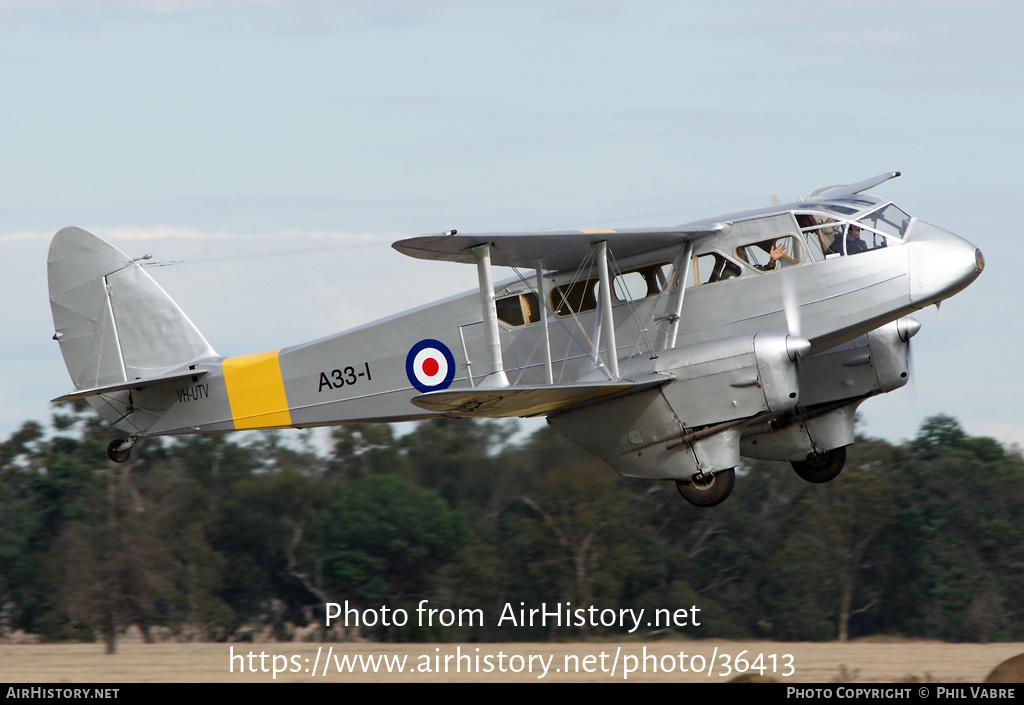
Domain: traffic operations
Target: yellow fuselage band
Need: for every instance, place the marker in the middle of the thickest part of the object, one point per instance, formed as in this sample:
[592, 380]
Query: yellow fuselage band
[256, 391]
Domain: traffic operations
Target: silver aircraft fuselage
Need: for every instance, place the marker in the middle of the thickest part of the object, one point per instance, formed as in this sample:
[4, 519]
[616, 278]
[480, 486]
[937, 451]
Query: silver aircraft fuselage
[699, 316]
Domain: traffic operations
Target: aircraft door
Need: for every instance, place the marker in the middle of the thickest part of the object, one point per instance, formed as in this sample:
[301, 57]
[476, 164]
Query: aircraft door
[473, 351]
[475, 358]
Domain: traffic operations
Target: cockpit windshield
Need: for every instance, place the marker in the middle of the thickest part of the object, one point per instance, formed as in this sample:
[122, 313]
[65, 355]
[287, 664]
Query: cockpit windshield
[841, 230]
[889, 220]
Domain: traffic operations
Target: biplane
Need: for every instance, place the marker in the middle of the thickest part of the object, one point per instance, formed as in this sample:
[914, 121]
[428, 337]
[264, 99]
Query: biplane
[669, 353]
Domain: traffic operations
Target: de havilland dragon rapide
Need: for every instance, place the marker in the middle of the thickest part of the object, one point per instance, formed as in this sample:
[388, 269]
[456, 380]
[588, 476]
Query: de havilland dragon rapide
[670, 353]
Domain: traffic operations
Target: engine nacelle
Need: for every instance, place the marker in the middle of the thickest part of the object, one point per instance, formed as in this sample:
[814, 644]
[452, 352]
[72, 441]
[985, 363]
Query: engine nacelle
[871, 364]
[733, 379]
[693, 423]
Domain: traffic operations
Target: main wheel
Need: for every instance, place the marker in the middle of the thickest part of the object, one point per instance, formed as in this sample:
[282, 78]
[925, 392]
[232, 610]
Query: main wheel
[821, 467]
[113, 452]
[710, 490]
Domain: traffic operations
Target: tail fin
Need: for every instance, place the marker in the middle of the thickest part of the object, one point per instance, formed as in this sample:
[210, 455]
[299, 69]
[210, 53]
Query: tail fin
[113, 322]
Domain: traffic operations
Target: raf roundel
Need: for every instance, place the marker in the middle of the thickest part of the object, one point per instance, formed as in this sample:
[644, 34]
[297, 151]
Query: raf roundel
[430, 366]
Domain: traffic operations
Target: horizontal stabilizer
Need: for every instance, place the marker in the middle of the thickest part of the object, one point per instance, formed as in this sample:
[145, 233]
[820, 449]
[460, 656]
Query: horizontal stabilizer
[523, 401]
[190, 375]
[557, 249]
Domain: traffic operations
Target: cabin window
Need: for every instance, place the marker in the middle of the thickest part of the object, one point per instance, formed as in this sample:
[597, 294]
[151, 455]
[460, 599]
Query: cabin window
[574, 298]
[768, 255]
[821, 233]
[712, 267]
[642, 282]
[518, 310]
[631, 285]
[664, 278]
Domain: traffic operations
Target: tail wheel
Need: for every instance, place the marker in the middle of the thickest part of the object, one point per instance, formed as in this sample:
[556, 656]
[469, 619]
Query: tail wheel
[114, 451]
[709, 489]
[821, 467]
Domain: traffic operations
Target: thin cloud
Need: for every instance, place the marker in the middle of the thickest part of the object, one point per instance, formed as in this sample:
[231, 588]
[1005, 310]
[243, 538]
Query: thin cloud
[288, 15]
[24, 235]
[187, 233]
[1006, 432]
[156, 232]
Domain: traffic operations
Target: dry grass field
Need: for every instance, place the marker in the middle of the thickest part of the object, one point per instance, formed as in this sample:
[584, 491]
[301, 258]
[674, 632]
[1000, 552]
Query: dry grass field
[859, 662]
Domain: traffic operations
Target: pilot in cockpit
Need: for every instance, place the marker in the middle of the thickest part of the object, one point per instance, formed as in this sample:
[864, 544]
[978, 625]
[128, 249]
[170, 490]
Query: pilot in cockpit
[854, 243]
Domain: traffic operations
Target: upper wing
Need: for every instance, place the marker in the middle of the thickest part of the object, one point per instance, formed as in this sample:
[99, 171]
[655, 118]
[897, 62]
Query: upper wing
[557, 249]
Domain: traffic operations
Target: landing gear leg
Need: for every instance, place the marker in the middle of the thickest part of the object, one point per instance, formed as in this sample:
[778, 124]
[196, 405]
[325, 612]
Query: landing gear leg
[821, 467]
[119, 449]
[707, 489]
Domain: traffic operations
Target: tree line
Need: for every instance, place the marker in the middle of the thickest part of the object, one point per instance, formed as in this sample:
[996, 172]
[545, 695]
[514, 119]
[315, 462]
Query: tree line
[223, 537]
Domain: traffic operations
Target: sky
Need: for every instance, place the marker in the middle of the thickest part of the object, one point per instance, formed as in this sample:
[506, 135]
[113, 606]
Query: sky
[268, 152]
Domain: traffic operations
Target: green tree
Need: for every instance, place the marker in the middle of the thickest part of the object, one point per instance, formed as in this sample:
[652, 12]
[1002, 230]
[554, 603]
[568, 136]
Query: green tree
[383, 542]
[364, 449]
[459, 459]
[581, 536]
[960, 500]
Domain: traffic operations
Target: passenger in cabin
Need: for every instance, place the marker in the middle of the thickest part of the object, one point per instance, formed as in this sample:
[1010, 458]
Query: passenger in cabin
[729, 270]
[775, 252]
[774, 255]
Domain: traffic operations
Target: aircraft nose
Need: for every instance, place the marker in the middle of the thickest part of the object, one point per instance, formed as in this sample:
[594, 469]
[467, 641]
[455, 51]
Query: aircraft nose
[941, 264]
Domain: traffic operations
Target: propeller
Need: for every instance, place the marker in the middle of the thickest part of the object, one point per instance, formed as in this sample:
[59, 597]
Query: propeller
[935, 326]
[797, 346]
[907, 328]
[791, 307]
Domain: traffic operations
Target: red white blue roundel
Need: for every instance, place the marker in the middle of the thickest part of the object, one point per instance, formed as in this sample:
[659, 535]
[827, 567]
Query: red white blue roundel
[430, 366]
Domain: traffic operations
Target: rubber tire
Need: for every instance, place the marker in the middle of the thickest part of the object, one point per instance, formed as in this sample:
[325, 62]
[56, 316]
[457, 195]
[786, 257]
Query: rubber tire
[714, 492]
[822, 468]
[118, 456]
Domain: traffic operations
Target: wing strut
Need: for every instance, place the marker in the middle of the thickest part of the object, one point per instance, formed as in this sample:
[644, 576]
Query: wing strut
[542, 292]
[601, 254]
[496, 376]
[682, 266]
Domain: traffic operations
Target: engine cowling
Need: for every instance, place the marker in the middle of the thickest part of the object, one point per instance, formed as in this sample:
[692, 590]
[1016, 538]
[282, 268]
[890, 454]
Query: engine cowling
[832, 385]
[693, 423]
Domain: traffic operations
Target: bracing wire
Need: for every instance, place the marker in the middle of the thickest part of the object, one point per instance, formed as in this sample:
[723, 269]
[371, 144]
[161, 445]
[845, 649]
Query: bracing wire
[260, 255]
